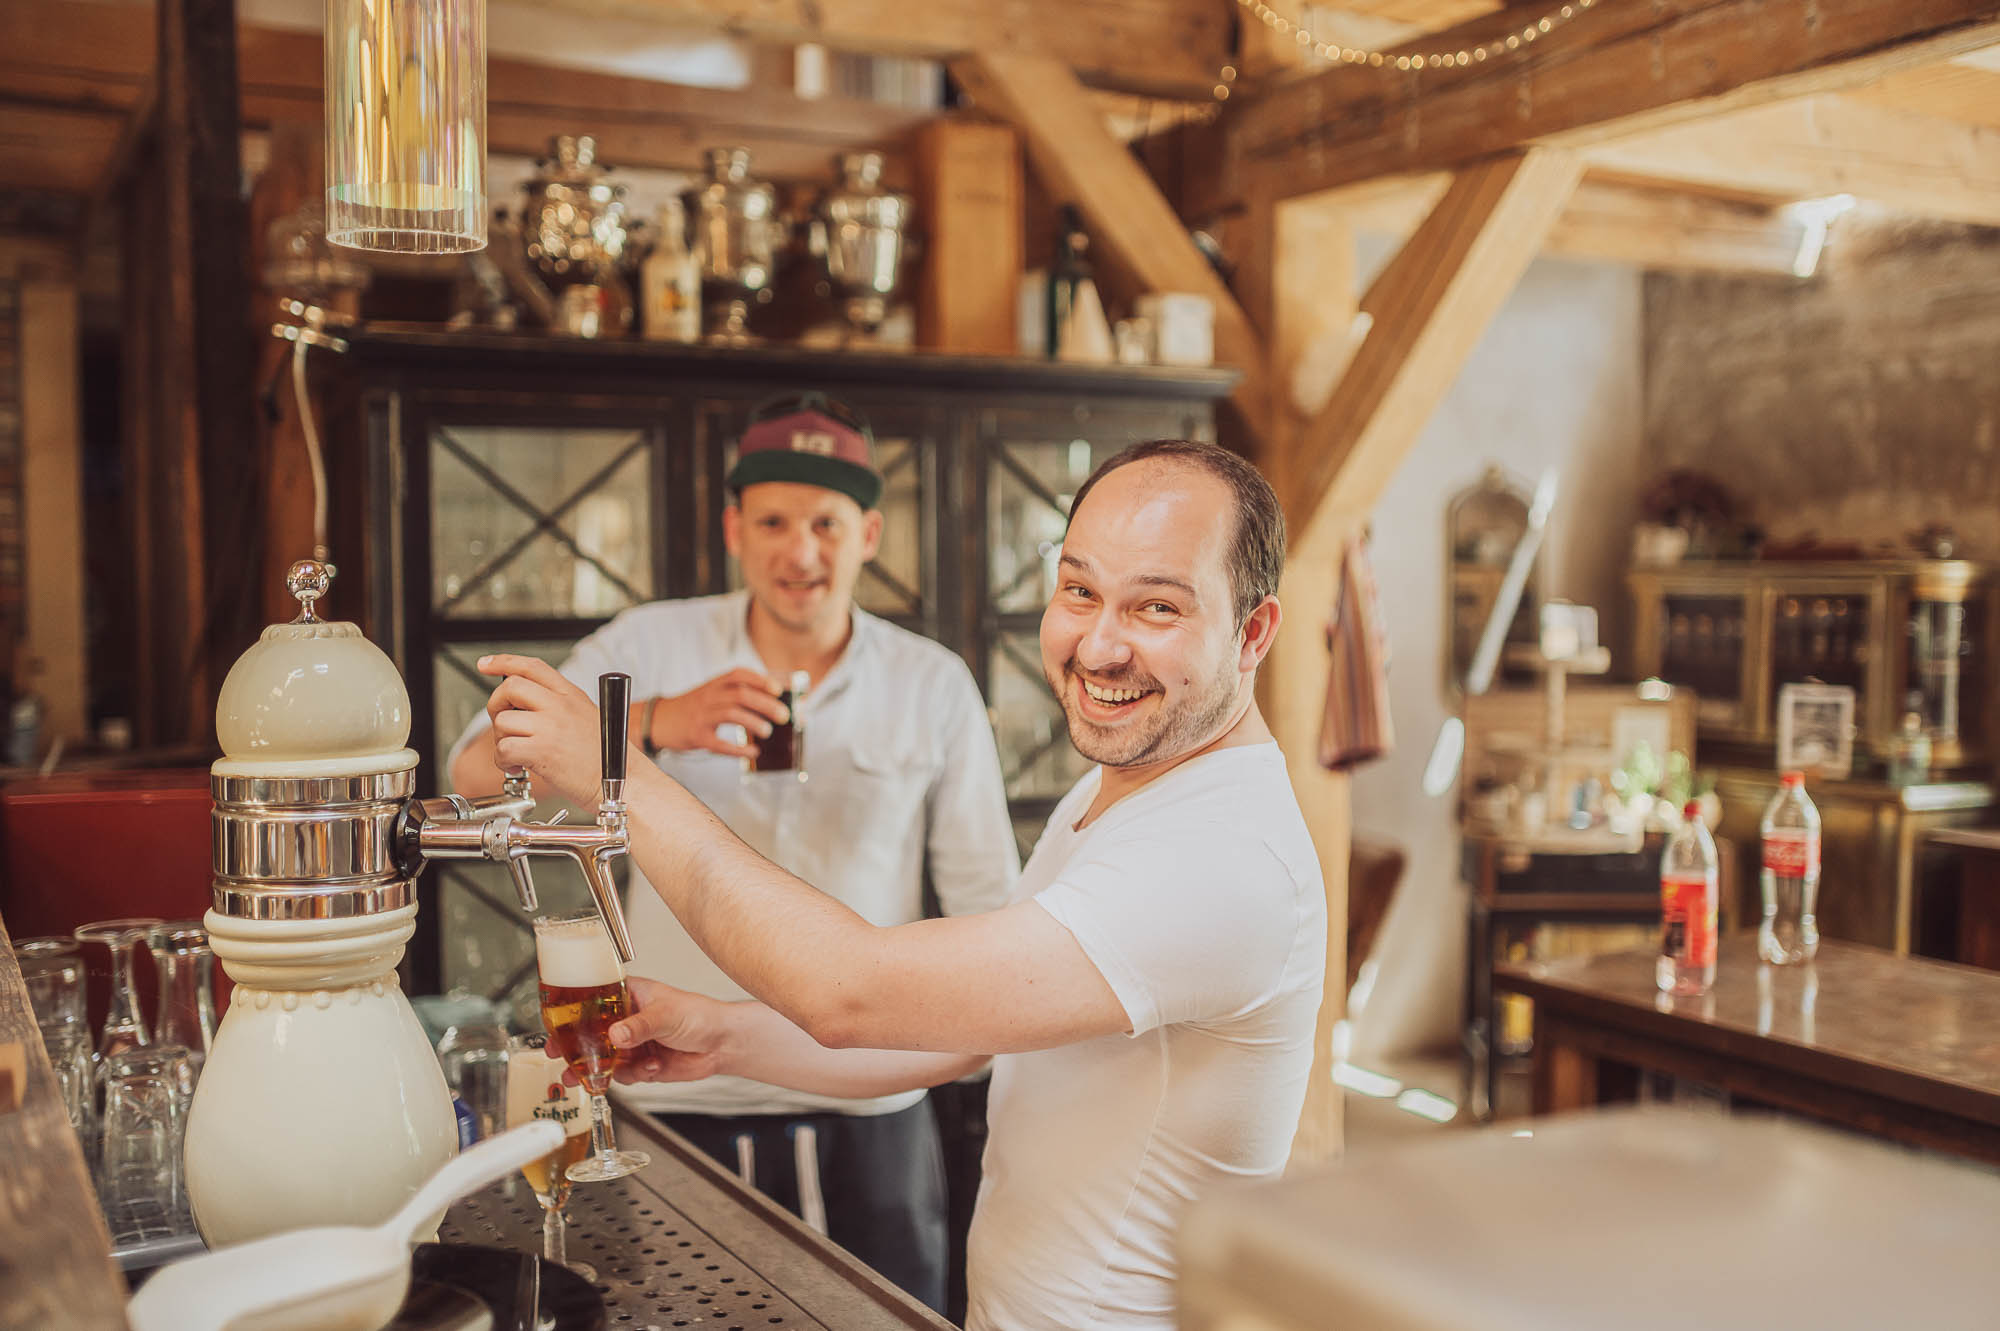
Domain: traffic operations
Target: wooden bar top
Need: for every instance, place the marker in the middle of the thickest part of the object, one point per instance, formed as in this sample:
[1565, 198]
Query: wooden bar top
[1903, 1028]
[56, 1272]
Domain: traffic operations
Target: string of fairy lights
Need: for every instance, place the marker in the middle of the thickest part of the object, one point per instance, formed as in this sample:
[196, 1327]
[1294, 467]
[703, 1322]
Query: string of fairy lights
[1514, 39]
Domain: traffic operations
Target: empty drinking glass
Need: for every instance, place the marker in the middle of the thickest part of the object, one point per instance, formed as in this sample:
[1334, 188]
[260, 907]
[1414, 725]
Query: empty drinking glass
[124, 1024]
[52, 972]
[146, 1095]
[186, 1014]
[473, 1054]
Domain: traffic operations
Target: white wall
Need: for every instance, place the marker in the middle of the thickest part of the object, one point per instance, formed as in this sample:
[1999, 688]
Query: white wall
[1555, 382]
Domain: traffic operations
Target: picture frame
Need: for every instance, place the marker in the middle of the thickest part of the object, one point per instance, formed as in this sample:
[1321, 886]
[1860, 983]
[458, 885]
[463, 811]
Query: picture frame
[1816, 729]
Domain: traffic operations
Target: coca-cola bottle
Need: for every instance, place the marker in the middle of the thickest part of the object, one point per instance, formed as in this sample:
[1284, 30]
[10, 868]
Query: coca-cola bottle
[1688, 875]
[1790, 879]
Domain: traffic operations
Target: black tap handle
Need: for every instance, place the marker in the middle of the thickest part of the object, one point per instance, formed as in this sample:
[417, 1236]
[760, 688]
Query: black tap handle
[614, 704]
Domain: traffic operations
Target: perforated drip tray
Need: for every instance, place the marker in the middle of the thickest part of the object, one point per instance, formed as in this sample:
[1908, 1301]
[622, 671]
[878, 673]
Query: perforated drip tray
[683, 1244]
[655, 1267]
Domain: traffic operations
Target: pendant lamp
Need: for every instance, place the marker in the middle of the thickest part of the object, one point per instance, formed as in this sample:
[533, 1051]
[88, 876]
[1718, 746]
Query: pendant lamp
[406, 125]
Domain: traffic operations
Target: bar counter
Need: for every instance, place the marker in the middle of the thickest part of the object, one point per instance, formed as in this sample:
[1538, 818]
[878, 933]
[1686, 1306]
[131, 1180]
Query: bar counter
[681, 1243]
[56, 1271]
[1898, 1047]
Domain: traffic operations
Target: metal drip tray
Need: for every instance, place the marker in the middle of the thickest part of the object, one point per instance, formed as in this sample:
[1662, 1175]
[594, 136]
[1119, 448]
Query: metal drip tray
[654, 1266]
[682, 1244]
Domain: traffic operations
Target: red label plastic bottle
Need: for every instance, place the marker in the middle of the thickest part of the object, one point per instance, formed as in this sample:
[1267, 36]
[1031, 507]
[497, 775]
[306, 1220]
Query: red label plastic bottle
[1688, 902]
[1790, 879]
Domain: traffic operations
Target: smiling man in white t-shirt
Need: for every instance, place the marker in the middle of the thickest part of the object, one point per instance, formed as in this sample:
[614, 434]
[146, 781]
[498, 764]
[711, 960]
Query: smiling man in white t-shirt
[1148, 997]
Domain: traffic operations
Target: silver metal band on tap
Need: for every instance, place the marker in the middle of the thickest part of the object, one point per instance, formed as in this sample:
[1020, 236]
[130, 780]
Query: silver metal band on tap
[309, 847]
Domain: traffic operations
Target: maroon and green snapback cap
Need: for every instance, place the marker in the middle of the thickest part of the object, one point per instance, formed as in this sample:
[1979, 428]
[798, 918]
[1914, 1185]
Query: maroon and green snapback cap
[808, 440]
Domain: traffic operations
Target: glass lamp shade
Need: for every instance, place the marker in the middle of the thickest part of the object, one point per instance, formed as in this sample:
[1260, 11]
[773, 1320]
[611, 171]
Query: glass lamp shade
[406, 125]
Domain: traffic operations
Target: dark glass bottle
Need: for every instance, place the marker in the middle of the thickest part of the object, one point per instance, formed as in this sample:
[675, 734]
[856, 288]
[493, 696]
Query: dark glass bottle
[1067, 271]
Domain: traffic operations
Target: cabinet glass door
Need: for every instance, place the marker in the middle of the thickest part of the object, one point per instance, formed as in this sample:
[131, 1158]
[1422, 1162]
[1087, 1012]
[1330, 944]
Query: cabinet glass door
[1823, 634]
[1036, 757]
[537, 534]
[1702, 640]
[540, 523]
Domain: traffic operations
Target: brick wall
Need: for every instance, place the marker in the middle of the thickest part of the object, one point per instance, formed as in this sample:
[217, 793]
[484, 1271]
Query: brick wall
[1860, 405]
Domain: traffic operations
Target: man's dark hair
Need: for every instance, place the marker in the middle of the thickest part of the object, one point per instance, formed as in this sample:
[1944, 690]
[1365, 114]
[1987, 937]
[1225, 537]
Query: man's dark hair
[1257, 553]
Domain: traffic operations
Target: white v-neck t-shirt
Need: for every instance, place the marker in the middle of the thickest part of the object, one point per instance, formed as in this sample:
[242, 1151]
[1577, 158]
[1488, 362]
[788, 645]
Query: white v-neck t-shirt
[1199, 899]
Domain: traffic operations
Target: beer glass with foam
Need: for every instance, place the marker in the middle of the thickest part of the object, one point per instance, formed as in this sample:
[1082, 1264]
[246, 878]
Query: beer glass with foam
[583, 995]
[535, 1090]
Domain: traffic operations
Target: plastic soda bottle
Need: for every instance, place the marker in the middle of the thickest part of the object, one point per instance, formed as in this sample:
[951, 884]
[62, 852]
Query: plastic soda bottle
[1688, 901]
[1790, 878]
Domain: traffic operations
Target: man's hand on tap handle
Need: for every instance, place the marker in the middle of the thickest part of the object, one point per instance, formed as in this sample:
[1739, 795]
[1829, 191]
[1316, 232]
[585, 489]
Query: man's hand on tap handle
[544, 725]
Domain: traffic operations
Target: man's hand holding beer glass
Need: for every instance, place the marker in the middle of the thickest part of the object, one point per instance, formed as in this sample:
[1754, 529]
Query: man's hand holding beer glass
[583, 993]
[674, 1035]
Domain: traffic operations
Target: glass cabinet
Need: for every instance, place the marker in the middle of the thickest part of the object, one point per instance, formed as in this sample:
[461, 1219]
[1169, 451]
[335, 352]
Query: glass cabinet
[519, 492]
[1906, 636]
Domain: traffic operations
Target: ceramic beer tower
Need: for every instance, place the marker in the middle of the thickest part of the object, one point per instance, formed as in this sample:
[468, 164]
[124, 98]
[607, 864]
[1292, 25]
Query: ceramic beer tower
[321, 1102]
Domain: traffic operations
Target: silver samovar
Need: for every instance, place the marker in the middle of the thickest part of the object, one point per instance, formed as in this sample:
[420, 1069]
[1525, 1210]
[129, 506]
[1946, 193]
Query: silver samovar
[860, 234]
[321, 1102]
[735, 236]
[573, 237]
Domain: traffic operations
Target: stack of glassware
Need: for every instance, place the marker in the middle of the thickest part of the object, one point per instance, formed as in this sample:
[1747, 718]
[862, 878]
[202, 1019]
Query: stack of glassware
[128, 1092]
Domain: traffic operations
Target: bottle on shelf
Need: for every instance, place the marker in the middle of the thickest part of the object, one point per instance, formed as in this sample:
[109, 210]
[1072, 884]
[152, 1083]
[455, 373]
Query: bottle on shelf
[1789, 932]
[670, 281]
[1910, 751]
[1689, 875]
[1066, 271]
[1076, 325]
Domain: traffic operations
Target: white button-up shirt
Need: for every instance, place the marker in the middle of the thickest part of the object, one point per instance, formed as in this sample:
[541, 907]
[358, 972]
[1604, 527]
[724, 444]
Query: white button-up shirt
[903, 776]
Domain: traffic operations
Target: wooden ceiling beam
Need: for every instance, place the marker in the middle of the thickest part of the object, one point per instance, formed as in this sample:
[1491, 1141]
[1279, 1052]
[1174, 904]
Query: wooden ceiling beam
[1616, 71]
[1162, 47]
[1168, 47]
[1430, 306]
[1667, 229]
[1950, 91]
[1647, 224]
[1078, 161]
[93, 58]
[1815, 146]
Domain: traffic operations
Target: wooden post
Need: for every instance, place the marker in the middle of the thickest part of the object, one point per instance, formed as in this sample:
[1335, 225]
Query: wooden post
[1430, 306]
[1302, 277]
[209, 430]
[52, 504]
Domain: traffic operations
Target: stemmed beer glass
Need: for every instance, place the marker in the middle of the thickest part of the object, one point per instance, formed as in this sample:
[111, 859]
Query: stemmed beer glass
[583, 995]
[535, 1090]
[124, 1024]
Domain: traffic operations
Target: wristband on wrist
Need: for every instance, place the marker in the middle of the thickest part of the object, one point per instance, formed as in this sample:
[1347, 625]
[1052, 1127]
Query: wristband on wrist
[646, 745]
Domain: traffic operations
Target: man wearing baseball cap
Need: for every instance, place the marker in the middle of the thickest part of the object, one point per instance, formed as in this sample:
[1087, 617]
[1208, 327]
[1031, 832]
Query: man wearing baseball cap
[904, 782]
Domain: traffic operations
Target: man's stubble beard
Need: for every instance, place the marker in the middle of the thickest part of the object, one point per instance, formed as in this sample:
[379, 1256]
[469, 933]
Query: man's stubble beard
[1188, 727]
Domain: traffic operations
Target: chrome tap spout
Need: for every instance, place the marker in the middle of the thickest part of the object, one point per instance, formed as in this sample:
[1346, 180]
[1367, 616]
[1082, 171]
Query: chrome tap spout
[496, 827]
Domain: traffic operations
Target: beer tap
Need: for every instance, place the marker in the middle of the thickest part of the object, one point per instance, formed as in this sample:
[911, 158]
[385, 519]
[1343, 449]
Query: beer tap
[496, 827]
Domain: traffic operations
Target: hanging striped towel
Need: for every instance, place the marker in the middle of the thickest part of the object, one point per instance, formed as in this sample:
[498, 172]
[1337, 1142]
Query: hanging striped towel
[1356, 728]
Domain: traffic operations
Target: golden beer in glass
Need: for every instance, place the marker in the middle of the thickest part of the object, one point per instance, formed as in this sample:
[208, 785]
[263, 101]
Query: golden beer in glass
[535, 1090]
[583, 995]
